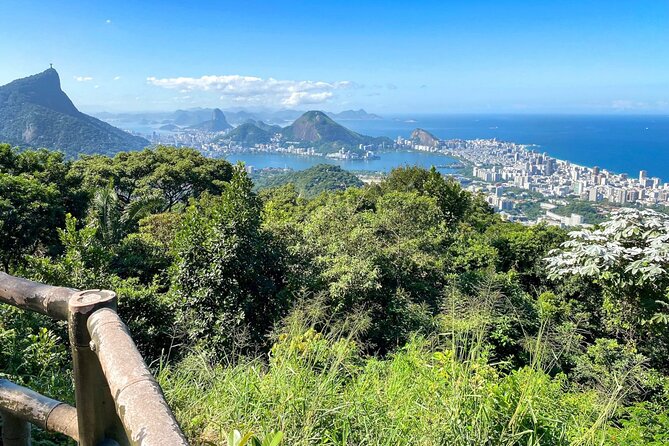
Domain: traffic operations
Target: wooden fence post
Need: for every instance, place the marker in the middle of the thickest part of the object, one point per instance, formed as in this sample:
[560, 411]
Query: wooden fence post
[136, 413]
[15, 431]
[97, 418]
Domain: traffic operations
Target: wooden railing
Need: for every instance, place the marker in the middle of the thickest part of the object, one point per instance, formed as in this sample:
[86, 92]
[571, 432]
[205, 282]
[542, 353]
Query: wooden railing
[118, 401]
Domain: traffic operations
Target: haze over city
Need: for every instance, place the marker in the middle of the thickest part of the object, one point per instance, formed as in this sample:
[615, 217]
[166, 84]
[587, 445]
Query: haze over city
[388, 57]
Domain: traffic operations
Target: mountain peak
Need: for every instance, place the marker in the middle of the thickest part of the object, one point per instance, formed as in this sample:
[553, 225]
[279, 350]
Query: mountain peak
[217, 115]
[217, 123]
[423, 137]
[315, 114]
[35, 112]
[48, 77]
[316, 126]
[316, 117]
[40, 89]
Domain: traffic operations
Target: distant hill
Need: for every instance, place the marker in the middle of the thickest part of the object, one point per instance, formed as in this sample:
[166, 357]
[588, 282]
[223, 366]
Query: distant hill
[217, 123]
[240, 117]
[355, 115]
[35, 112]
[248, 134]
[266, 127]
[318, 129]
[169, 127]
[251, 133]
[313, 181]
[424, 138]
[187, 118]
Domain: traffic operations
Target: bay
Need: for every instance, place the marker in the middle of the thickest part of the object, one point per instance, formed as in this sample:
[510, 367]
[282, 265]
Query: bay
[620, 143]
[386, 162]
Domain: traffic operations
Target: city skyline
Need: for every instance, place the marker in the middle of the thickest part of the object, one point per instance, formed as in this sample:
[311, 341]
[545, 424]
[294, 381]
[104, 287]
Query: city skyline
[386, 57]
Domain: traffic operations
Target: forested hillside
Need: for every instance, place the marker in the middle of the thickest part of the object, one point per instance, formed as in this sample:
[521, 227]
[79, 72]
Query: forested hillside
[35, 112]
[312, 181]
[400, 313]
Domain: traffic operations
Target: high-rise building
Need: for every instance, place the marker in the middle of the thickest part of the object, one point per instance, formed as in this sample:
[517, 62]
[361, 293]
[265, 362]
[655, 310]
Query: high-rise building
[642, 176]
[593, 195]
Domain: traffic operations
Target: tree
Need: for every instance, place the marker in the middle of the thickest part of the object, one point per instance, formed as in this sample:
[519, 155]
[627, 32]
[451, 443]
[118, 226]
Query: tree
[523, 249]
[36, 191]
[381, 259]
[47, 167]
[226, 275]
[169, 175]
[453, 201]
[29, 210]
[628, 256]
[113, 220]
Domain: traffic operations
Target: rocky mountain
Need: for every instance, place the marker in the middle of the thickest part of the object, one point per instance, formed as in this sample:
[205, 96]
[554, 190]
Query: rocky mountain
[317, 128]
[424, 138]
[217, 123]
[35, 112]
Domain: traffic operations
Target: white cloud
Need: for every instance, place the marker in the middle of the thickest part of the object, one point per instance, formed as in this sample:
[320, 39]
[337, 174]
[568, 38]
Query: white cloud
[252, 90]
[117, 78]
[83, 78]
[627, 105]
[97, 86]
[108, 21]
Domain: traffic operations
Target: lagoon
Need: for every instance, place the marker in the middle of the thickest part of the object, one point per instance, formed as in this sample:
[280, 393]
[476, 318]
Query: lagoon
[386, 162]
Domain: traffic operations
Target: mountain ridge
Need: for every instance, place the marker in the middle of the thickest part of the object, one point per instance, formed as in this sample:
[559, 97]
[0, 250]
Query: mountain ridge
[354, 115]
[36, 112]
[314, 128]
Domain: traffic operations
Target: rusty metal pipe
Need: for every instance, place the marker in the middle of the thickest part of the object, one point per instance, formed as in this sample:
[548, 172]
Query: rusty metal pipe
[29, 295]
[22, 403]
[146, 417]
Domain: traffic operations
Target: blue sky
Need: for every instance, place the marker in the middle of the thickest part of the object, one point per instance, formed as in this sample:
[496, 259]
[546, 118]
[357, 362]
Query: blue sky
[384, 56]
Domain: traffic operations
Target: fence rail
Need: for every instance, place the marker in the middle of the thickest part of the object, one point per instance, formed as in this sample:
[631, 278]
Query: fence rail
[118, 401]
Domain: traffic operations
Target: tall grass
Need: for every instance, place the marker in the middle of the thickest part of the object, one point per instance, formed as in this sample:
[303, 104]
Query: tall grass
[318, 389]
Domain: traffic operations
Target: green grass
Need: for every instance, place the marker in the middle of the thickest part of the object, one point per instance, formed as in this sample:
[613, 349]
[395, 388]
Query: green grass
[317, 389]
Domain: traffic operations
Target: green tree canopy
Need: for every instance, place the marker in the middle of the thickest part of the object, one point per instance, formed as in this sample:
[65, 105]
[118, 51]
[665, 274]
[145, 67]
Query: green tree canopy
[226, 275]
[169, 175]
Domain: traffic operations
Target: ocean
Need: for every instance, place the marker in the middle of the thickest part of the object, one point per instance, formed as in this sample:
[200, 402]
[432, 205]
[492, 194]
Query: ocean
[622, 144]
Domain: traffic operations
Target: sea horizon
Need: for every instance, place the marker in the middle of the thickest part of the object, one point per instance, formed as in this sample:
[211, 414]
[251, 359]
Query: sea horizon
[618, 143]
